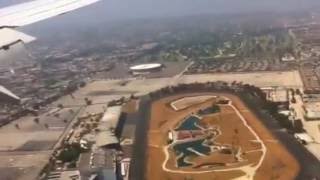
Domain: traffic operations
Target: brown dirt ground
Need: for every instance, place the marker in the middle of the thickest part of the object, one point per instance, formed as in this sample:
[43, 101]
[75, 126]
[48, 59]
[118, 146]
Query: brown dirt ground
[131, 106]
[277, 163]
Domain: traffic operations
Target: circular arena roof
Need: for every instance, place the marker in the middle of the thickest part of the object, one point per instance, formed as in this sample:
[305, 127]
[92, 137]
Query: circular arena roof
[145, 66]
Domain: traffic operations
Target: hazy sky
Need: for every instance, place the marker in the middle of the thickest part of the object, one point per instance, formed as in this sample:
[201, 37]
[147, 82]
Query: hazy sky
[113, 10]
[120, 9]
[145, 8]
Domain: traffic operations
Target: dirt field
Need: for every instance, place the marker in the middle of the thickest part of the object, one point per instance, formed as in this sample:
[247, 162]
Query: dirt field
[273, 163]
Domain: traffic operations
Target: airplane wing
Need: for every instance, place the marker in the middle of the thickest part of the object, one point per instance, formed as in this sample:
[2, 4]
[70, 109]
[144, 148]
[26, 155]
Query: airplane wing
[6, 95]
[31, 12]
[10, 37]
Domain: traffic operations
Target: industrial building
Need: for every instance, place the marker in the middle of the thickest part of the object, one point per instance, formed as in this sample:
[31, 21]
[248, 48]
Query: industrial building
[108, 127]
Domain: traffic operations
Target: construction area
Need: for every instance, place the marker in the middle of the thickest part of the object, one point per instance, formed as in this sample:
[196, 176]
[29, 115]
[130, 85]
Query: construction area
[214, 137]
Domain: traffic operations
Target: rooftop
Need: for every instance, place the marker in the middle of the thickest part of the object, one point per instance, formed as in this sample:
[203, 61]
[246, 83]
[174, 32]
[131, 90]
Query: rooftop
[112, 116]
[107, 127]
[105, 138]
[145, 66]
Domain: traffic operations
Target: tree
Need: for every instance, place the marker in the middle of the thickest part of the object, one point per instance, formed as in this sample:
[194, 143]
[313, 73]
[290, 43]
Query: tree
[65, 121]
[94, 125]
[88, 101]
[57, 115]
[17, 126]
[71, 111]
[88, 127]
[46, 126]
[82, 84]
[122, 99]
[71, 95]
[36, 120]
[60, 106]
[70, 153]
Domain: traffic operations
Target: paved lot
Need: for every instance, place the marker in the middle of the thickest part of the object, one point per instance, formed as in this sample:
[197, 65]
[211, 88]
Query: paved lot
[25, 150]
[290, 79]
[22, 166]
[261, 79]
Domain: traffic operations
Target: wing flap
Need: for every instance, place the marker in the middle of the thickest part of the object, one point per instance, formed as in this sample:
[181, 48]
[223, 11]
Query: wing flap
[10, 37]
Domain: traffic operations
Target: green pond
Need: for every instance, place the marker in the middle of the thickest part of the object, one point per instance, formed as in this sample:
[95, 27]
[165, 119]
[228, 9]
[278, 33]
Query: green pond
[189, 124]
[183, 149]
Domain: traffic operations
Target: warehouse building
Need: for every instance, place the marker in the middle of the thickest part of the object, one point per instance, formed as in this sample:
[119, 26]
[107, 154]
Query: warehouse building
[108, 126]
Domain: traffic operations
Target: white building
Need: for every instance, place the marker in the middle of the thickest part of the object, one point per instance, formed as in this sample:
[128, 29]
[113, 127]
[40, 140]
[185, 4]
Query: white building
[145, 68]
[312, 110]
[276, 94]
[288, 58]
[108, 127]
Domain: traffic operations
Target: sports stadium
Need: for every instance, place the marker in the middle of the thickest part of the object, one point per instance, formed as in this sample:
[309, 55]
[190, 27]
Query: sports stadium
[145, 68]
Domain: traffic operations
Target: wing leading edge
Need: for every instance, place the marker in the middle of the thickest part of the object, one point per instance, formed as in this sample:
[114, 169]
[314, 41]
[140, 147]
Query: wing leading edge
[31, 12]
